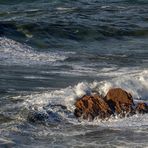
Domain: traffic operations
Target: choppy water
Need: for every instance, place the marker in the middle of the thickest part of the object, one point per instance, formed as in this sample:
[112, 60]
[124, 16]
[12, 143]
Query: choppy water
[53, 51]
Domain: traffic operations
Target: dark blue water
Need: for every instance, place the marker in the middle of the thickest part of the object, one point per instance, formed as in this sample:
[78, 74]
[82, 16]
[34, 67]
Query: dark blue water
[54, 51]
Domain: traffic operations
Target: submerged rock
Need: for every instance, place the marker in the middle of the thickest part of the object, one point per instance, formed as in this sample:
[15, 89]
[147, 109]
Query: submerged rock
[50, 114]
[116, 102]
[37, 117]
[45, 118]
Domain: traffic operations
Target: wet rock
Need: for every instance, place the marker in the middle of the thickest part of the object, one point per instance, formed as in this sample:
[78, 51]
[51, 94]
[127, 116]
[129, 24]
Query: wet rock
[37, 117]
[116, 102]
[119, 101]
[141, 108]
[45, 118]
[89, 107]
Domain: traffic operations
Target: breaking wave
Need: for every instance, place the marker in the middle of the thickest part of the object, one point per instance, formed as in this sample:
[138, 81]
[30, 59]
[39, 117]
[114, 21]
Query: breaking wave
[58, 105]
[14, 53]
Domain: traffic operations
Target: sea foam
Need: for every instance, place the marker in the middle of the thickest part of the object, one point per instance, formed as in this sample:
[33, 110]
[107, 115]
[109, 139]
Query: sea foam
[136, 84]
[15, 53]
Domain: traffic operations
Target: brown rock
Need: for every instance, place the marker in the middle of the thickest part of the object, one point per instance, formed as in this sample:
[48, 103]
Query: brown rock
[142, 108]
[88, 107]
[119, 101]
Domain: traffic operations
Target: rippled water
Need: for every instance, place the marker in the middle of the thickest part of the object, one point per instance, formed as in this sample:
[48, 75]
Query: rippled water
[54, 51]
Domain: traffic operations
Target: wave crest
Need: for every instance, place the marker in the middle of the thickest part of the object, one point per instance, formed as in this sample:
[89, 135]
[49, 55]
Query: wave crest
[14, 53]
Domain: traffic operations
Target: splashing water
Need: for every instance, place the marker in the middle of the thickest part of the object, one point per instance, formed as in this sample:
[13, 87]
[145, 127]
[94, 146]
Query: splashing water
[14, 53]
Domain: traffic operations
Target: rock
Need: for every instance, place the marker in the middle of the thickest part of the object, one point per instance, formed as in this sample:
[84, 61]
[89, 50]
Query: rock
[119, 101]
[141, 108]
[44, 118]
[89, 107]
[37, 117]
[116, 102]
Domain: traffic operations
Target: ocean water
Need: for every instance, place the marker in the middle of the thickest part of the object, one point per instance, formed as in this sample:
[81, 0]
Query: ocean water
[55, 51]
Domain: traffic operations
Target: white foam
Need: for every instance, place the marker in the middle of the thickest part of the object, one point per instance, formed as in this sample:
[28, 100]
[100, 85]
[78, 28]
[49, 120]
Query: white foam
[64, 97]
[94, 70]
[37, 77]
[135, 83]
[116, 71]
[116, 7]
[65, 8]
[81, 69]
[137, 120]
[13, 52]
[81, 89]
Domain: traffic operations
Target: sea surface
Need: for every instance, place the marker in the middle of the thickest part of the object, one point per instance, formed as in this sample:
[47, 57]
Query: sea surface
[55, 51]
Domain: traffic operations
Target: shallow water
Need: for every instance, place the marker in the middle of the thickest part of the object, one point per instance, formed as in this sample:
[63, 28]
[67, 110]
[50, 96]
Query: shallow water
[52, 52]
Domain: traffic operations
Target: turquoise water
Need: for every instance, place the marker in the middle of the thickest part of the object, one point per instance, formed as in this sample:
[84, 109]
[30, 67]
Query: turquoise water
[52, 52]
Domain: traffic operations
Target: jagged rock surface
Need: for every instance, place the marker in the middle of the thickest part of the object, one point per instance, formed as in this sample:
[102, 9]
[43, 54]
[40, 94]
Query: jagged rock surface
[116, 102]
[119, 100]
[88, 107]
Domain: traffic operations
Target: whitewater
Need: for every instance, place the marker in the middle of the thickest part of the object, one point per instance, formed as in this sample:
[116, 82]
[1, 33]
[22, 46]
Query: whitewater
[54, 52]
